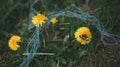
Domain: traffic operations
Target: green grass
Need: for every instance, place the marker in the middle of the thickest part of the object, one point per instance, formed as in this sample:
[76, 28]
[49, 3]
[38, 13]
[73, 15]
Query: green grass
[54, 39]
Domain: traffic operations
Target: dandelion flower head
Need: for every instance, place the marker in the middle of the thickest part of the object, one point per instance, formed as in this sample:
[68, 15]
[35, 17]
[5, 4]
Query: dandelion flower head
[39, 20]
[13, 42]
[54, 20]
[83, 35]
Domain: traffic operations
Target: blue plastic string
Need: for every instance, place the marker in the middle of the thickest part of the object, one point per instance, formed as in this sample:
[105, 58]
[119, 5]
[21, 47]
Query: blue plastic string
[85, 17]
[31, 48]
[72, 11]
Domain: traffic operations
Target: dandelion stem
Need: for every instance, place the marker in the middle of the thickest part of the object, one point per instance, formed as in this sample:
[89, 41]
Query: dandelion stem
[39, 54]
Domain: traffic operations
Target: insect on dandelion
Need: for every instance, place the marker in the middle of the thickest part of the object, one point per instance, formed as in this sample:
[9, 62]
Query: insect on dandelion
[13, 42]
[83, 35]
[54, 20]
[39, 20]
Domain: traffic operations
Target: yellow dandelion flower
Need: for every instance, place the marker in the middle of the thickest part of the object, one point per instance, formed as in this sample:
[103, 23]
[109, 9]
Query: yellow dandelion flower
[13, 42]
[39, 20]
[54, 20]
[83, 35]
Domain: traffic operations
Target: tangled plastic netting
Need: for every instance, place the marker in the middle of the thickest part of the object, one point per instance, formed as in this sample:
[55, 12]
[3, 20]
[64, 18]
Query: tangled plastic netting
[32, 47]
[72, 11]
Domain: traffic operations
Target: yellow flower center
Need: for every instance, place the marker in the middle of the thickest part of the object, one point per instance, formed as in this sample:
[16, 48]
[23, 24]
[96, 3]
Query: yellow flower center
[83, 35]
[13, 42]
[39, 20]
[54, 20]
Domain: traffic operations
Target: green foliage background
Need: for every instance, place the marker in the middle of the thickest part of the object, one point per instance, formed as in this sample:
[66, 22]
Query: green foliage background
[14, 19]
